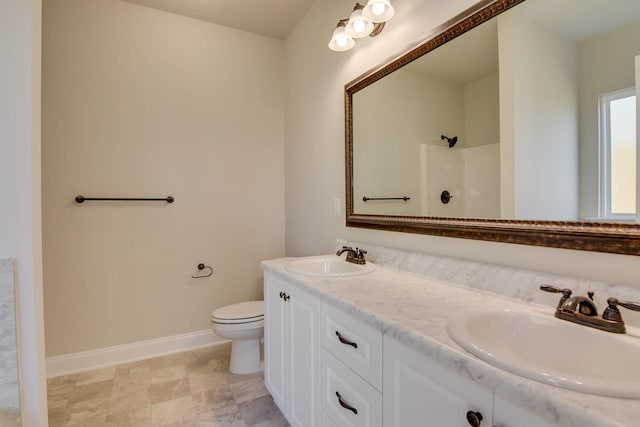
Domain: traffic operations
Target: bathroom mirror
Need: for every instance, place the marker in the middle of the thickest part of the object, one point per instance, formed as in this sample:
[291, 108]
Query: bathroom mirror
[489, 129]
[9, 378]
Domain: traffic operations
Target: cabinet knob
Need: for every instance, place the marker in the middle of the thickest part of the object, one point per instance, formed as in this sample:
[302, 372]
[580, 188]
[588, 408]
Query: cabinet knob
[474, 418]
[284, 296]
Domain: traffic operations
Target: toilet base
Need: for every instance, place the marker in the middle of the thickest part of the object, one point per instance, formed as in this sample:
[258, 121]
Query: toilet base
[245, 357]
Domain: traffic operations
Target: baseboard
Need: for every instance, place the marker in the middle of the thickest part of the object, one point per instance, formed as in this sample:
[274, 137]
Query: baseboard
[109, 356]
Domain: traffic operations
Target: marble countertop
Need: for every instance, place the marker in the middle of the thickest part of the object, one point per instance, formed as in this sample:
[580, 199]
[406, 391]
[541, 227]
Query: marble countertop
[414, 310]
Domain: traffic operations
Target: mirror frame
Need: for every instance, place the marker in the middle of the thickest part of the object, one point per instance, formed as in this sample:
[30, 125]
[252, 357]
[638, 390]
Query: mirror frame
[616, 238]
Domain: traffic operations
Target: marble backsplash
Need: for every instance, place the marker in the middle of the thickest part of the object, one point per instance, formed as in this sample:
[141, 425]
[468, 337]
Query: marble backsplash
[511, 282]
[9, 382]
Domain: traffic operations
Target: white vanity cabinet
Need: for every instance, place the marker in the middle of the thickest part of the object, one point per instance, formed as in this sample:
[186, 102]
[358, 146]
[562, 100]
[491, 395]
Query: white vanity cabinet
[291, 351]
[419, 392]
[325, 367]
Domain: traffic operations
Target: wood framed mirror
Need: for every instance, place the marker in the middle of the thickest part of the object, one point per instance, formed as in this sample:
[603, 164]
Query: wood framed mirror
[546, 191]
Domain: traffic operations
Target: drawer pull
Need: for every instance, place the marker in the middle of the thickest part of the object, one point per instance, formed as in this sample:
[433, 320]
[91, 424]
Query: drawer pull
[345, 405]
[345, 341]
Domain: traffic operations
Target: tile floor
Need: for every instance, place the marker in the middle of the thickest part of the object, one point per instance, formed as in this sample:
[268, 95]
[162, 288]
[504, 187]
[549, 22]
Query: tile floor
[191, 389]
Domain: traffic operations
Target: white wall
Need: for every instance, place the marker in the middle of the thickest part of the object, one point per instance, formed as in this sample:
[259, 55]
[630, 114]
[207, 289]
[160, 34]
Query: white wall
[138, 102]
[606, 64]
[315, 147]
[20, 219]
[482, 181]
[541, 138]
[482, 111]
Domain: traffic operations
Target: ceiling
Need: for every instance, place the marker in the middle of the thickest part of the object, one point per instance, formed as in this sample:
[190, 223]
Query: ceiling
[582, 19]
[575, 19]
[271, 18]
[451, 62]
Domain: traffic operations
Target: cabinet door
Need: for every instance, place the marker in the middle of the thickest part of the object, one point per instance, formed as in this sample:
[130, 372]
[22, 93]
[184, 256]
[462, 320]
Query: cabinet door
[507, 414]
[275, 348]
[303, 311]
[419, 392]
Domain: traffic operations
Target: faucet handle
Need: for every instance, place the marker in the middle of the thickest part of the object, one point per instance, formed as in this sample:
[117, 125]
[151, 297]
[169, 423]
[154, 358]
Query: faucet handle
[613, 313]
[358, 256]
[566, 292]
[556, 290]
[629, 305]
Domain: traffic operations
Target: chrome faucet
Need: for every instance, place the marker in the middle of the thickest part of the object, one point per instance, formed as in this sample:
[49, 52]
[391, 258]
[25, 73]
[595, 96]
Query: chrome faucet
[355, 256]
[583, 311]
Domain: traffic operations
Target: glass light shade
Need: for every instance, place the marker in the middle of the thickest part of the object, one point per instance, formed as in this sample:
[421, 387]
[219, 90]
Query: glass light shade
[340, 40]
[378, 10]
[358, 26]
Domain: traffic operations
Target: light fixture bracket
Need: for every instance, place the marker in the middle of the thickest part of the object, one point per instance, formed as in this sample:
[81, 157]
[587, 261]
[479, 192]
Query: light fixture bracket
[377, 28]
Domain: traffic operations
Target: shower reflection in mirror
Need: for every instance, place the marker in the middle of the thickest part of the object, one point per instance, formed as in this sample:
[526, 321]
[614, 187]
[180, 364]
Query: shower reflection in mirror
[446, 136]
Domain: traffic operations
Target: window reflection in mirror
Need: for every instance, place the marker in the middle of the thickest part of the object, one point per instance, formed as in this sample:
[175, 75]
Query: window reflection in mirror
[618, 154]
[520, 93]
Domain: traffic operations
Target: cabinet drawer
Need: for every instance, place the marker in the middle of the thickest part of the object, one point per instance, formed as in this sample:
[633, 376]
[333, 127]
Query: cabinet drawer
[347, 399]
[326, 421]
[356, 344]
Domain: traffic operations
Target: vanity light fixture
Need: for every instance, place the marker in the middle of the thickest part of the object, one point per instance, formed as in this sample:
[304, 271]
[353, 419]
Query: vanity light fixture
[364, 21]
[378, 10]
[340, 40]
[358, 26]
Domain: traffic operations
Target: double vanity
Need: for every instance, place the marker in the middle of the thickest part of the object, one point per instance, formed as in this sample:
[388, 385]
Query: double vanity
[409, 339]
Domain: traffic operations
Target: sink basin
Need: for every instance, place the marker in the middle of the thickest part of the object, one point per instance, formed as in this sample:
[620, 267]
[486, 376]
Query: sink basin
[331, 266]
[532, 343]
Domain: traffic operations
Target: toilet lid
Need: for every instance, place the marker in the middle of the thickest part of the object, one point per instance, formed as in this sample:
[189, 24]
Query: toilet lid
[250, 311]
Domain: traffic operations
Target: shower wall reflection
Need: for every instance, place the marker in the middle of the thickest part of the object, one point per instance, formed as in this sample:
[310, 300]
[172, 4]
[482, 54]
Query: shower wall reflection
[425, 143]
[9, 381]
[470, 175]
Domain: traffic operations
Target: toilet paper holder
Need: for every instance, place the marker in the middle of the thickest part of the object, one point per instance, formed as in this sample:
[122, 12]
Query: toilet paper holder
[201, 267]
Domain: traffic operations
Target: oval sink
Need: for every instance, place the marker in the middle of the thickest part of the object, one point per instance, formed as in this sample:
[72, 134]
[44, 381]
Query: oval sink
[536, 345]
[328, 267]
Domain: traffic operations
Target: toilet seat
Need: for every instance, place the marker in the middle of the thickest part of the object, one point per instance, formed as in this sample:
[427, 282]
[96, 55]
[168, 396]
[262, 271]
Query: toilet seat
[241, 313]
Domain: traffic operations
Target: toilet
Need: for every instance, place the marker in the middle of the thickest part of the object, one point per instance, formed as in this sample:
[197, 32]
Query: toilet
[243, 324]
